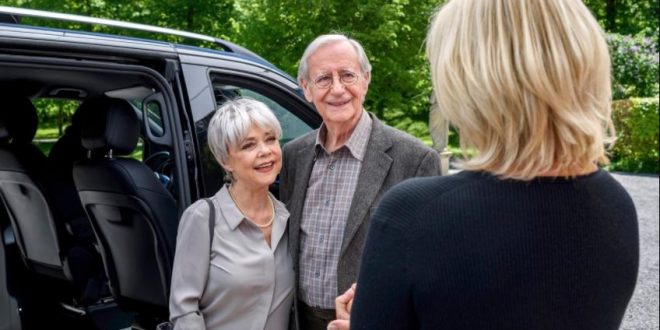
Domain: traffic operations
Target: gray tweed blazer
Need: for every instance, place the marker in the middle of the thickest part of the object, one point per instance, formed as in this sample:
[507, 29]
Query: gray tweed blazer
[391, 157]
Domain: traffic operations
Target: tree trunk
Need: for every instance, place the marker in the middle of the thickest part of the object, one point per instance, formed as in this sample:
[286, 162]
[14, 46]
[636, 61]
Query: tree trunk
[60, 118]
[191, 15]
[610, 15]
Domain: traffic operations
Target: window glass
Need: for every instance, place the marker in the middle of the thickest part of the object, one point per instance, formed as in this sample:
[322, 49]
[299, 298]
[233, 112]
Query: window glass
[155, 116]
[292, 126]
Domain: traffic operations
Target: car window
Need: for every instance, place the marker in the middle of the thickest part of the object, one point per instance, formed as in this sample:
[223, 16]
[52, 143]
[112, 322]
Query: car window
[154, 114]
[292, 126]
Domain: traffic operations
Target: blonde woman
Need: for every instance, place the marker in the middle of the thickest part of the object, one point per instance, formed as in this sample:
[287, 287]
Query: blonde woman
[243, 279]
[532, 234]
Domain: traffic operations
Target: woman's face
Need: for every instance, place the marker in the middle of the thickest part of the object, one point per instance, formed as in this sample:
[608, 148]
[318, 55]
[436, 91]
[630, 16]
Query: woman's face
[256, 161]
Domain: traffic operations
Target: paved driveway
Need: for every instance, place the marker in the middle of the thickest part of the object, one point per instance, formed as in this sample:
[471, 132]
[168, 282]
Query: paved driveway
[643, 309]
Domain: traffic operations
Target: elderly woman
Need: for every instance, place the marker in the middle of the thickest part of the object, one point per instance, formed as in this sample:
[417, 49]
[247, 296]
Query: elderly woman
[246, 281]
[532, 234]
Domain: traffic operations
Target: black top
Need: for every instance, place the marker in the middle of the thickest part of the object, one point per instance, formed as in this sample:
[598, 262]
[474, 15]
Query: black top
[470, 251]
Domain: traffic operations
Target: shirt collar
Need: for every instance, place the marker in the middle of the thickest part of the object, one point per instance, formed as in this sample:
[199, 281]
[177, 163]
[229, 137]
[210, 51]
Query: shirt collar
[357, 143]
[230, 211]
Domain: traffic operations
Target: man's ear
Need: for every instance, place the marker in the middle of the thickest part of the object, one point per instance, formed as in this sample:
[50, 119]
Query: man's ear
[306, 89]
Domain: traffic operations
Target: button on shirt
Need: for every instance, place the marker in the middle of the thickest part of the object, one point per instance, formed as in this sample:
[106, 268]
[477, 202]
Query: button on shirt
[249, 285]
[329, 195]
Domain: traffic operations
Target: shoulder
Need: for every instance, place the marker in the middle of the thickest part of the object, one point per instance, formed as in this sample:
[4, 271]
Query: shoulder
[413, 196]
[300, 142]
[608, 190]
[425, 188]
[197, 209]
[191, 219]
[409, 155]
[401, 141]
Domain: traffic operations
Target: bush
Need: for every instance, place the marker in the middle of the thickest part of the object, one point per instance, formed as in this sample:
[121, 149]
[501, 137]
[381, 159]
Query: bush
[634, 66]
[636, 147]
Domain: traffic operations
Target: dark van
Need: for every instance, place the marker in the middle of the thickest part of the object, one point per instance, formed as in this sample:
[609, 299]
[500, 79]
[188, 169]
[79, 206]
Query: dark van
[88, 218]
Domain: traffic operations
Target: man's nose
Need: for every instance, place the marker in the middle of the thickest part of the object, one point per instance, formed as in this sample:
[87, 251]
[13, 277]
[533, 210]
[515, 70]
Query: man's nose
[337, 85]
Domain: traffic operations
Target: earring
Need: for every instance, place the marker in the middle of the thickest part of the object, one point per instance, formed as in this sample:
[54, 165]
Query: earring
[229, 178]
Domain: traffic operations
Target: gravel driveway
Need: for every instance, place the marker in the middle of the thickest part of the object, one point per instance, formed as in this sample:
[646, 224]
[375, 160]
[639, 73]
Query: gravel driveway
[642, 311]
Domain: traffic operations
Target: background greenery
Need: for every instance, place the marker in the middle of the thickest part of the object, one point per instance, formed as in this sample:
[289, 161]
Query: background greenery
[636, 147]
[392, 32]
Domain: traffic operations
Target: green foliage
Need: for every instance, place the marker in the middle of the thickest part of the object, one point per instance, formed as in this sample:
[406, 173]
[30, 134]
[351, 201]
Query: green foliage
[634, 66]
[636, 147]
[392, 34]
[211, 17]
[630, 17]
[54, 113]
[44, 146]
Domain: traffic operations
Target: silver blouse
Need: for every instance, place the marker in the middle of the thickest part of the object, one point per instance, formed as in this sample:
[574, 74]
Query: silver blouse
[248, 285]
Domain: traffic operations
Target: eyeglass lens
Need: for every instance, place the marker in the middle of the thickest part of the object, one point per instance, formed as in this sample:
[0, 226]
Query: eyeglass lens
[326, 80]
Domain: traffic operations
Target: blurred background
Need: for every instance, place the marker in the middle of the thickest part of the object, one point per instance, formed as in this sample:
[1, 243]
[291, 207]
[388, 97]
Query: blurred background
[393, 34]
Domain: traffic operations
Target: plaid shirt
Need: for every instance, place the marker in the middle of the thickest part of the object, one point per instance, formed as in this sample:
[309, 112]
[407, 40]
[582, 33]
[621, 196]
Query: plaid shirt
[329, 195]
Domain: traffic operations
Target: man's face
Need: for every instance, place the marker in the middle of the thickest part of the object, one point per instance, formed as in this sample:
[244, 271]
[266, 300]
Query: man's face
[337, 104]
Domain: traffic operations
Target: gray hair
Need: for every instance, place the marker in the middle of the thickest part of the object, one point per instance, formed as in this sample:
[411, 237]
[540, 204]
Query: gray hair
[231, 124]
[322, 40]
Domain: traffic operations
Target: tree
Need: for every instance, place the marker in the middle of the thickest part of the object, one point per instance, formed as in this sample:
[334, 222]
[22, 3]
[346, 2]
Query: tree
[629, 17]
[392, 34]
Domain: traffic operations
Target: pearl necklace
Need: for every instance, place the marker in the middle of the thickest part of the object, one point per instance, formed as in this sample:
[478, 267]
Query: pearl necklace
[272, 208]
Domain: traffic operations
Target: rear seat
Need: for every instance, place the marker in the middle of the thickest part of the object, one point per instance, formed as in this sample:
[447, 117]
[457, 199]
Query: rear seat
[27, 193]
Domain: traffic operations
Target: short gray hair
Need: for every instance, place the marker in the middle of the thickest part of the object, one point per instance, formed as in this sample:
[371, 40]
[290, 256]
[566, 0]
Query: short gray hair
[231, 124]
[322, 40]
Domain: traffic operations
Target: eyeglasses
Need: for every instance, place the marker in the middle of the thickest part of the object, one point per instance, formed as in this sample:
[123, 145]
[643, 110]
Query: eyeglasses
[346, 78]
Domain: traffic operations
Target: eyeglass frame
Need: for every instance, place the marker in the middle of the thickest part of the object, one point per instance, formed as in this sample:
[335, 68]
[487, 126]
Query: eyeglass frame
[341, 81]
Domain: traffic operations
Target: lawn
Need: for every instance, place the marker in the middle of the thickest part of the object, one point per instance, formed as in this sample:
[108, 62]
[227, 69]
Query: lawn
[47, 136]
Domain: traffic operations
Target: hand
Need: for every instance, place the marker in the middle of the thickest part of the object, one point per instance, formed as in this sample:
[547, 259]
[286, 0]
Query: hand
[343, 305]
[339, 325]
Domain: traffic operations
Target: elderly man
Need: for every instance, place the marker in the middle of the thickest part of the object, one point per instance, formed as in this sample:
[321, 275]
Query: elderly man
[335, 176]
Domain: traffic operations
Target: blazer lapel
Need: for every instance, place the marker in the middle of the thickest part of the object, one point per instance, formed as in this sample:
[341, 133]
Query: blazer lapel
[303, 170]
[374, 170]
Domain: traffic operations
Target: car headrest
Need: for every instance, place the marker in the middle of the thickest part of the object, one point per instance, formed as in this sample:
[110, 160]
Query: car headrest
[68, 148]
[18, 121]
[84, 109]
[111, 125]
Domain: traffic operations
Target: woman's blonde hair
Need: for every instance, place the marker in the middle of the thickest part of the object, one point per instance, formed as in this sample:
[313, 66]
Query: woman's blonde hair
[525, 82]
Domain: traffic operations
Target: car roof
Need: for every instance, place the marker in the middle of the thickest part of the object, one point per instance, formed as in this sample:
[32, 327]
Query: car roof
[20, 33]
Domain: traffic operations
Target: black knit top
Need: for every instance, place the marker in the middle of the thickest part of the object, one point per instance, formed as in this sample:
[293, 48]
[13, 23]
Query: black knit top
[471, 251]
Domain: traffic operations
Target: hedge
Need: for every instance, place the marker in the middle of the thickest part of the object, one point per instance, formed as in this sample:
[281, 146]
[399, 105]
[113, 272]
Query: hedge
[636, 124]
[634, 66]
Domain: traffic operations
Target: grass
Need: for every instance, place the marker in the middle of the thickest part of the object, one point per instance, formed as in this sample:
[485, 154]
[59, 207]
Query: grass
[47, 133]
[46, 138]
[44, 146]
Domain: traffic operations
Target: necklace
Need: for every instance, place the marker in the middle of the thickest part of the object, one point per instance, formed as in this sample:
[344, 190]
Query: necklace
[265, 225]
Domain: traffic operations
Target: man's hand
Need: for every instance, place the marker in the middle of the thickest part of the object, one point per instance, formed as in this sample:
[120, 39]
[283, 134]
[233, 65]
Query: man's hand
[343, 305]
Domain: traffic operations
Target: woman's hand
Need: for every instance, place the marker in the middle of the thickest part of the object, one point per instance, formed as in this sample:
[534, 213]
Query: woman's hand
[343, 305]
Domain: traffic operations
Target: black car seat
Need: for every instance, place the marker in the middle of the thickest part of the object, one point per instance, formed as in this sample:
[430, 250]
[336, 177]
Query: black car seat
[25, 191]
[133, 216]
[84, 259]
[65, 152]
